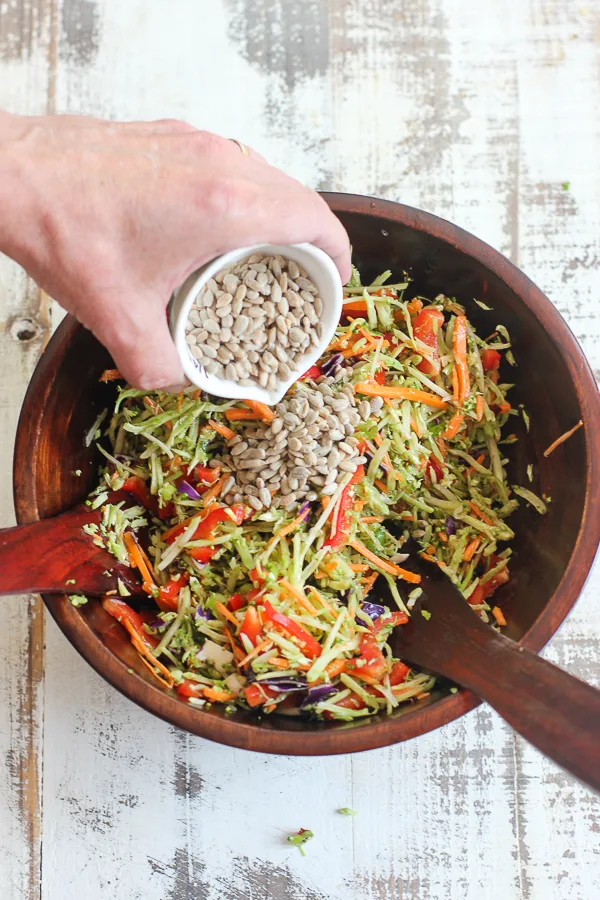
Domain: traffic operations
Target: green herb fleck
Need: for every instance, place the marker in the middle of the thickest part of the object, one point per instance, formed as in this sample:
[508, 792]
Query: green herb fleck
[483, 305]
[566, 185]
[426, 614]
[346, 811]
[77, 599]
[300, 838]
[70, 581]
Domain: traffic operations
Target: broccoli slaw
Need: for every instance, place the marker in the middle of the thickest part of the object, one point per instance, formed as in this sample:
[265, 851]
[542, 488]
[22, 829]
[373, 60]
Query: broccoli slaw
[267, 607]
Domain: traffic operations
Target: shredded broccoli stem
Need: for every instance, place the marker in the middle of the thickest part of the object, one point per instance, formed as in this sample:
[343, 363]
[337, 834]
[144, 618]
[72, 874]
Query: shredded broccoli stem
[254, 607]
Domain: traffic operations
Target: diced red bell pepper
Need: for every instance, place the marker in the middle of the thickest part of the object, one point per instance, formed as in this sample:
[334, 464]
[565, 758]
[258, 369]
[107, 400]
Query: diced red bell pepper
[205, 474]
[140, 490]
[490, 360]
[340, 535]
[399, 672]
[168, 595]
[202, 554]
[256, 578]
[252, 625]
[189, 688]
[425, 327]
[379, 376]
[309, 646]
[313, 372]
[483, 591]
[207, 526]
[257, 694]
[433, 466]
[396, 618]
[235, 602]
[129, 618]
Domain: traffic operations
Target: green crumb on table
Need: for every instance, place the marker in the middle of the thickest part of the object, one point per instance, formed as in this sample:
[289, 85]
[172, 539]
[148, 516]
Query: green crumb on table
[70, 581]
[454, 690]
[130, 671]
[346, 811]
[78, 472]
[77, 599]
[426, 614]
[566, 185]
[300, 838]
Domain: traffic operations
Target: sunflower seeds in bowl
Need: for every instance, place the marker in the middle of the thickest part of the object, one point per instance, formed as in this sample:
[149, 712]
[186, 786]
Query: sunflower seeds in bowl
[248, 325]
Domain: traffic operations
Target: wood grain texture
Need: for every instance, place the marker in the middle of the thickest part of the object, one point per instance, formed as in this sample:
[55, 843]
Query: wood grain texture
[480, 115]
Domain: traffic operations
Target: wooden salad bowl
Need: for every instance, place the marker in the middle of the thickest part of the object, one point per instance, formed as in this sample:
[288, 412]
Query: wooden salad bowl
[552, 553]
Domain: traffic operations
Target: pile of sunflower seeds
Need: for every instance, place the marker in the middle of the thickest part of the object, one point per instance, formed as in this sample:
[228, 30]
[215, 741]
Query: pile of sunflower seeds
[305, 452]
[254, 320]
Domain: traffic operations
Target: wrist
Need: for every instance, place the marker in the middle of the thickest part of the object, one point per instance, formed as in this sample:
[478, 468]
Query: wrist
[13, 185]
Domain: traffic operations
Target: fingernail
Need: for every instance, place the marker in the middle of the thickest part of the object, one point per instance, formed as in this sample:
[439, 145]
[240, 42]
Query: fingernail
[175, 388]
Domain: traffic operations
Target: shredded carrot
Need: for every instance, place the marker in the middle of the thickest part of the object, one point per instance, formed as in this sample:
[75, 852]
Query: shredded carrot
[235, 415]
[454, 426]
[355, 306]
[414, 427]
[225, 612]
[321, 600]
[562, 438]
[427, 557]
[237, 651]
[335, 668]
[479, 513]
[479, 460]
[479, 407]
[381, 485]
[196, 394]
[389, 567]
[471, 549]
[498, 615]
[459, 348]
[263, 645]
[504, 407]
[441, 446]
[368, 519]
[214, 491]
[111, 375]
[369, 582]
[183, 525]
[217, 695]
[179, 401]
[147, 657]
[287, 529]
[443, 537]
[414, 306]
[400, 393]
[137, 560]
[152, 406]
[360, 567]
[223, 430]
[358, 505]
[280, 662]
[264, 411]
[299, 596]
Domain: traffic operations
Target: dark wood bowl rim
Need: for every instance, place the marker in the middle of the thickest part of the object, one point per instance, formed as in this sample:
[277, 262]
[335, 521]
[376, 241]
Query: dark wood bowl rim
[381, 732]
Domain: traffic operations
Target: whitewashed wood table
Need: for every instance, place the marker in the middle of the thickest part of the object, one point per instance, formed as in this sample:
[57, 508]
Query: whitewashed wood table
[487, 114]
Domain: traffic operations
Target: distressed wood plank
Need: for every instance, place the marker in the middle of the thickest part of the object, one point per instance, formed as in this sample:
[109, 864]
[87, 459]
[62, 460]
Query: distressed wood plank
[26, 36]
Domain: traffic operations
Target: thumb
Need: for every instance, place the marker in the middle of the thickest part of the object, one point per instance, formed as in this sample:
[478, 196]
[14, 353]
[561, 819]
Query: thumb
[138, 338]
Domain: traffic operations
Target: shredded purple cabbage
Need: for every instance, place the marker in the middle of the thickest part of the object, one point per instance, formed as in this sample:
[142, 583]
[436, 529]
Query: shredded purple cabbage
[373, 610]
[450, 526]
[317, 694]
[184, 487]
[203, 614]
[284, 684]
[330, 367]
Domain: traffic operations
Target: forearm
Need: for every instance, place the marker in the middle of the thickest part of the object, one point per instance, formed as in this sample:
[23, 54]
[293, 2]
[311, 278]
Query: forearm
[16, 214]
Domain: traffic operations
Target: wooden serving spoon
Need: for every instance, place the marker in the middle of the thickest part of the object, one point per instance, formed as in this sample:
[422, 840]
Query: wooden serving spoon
[56, 556]
[557, 713]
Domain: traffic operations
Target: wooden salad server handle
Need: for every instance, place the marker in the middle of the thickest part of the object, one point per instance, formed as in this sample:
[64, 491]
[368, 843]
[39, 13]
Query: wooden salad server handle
[557, 713]
[57, 556]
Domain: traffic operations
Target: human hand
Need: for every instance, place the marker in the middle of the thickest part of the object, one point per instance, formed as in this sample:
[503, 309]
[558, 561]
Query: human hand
[110, 218]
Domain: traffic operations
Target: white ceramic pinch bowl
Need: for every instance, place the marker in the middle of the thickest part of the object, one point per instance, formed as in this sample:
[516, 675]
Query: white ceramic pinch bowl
[321, 270]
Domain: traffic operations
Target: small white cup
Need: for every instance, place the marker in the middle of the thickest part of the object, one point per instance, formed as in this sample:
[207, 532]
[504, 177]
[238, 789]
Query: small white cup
[321, 270]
